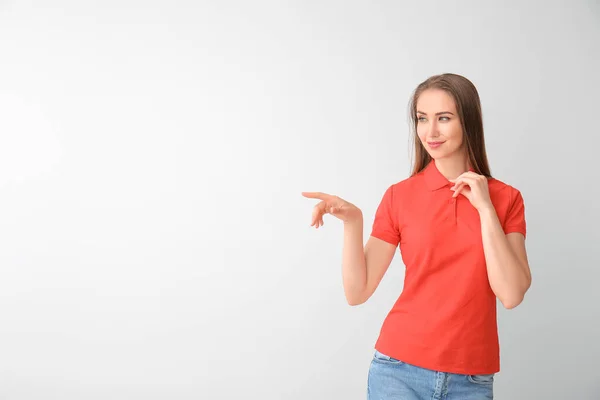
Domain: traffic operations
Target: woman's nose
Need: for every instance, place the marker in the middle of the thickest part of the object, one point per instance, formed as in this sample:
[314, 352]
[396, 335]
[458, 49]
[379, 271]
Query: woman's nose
[433, 130]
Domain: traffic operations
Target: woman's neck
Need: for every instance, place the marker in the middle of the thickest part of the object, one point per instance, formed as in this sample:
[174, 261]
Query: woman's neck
[452, 167]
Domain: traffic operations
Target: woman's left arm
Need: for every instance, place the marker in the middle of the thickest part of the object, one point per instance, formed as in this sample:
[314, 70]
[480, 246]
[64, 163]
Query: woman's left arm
[506, 259]
[505, 255]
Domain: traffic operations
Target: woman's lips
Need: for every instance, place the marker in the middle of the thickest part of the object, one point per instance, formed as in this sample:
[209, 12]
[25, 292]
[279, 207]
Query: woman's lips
[434, 145]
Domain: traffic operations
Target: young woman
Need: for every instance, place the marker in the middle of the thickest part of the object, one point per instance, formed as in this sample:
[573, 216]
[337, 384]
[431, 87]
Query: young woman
[461, 235]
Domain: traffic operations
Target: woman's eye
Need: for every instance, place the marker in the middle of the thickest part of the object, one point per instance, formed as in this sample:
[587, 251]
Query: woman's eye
[423, 119]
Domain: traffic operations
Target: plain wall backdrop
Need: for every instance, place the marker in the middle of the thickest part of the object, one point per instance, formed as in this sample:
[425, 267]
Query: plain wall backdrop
[153, 240]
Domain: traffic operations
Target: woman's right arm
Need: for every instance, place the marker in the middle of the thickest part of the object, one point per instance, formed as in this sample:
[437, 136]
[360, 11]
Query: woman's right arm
[363, 268]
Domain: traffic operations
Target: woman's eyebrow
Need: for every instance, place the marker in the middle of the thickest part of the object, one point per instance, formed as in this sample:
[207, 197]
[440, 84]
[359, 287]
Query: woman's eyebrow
[440, 113]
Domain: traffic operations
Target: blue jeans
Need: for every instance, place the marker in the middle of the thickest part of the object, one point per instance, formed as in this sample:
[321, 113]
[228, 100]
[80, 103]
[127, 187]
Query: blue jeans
[390, 378]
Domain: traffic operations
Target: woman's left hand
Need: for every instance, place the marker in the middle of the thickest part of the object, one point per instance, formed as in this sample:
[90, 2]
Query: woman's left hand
[475, 188]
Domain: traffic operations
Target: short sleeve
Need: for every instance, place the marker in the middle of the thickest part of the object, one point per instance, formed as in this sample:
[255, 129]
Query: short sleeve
[515, 216]
[385, 225]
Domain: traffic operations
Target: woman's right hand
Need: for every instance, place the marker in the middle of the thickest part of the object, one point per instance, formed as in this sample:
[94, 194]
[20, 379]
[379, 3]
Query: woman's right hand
[333, 205]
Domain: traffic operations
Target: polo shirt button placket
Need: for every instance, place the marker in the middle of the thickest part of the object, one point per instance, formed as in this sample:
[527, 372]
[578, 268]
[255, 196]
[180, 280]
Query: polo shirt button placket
[456, 210]
[453, 204]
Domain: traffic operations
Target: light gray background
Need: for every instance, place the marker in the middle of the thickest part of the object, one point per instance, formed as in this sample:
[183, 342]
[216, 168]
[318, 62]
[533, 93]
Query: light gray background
[154, 243]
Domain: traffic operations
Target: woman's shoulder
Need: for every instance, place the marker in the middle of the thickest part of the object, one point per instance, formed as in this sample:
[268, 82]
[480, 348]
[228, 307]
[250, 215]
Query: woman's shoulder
[400, 189]
[503, 193]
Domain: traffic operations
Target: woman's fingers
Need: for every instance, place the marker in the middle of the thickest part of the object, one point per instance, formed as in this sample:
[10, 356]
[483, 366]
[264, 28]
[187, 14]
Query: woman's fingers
[317, 195]
[457, 189]
[333, 210]
[318, 212]
[329, 204]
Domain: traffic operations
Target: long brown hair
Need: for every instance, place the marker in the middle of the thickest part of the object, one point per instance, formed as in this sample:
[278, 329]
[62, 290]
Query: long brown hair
[468, 107]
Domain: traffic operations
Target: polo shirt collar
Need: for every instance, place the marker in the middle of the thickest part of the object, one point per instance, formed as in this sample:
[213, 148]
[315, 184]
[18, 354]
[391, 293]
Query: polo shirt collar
[434, 178]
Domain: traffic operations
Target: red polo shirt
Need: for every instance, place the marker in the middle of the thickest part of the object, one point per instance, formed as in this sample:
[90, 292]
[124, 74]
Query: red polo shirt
[445, 317]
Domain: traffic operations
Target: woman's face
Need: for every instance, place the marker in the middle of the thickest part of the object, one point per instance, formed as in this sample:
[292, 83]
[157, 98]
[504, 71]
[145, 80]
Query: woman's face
[438, 125]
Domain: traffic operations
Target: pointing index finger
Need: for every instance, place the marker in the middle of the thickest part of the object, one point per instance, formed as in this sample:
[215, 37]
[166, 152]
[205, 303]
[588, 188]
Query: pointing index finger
[316, 195]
